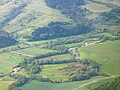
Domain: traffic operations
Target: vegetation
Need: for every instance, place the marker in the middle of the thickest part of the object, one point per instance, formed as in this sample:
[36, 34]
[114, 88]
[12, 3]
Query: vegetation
[59, 44]
[112, 85]
[106, 53]
[88, 69]
[6, 39]
[56, 31]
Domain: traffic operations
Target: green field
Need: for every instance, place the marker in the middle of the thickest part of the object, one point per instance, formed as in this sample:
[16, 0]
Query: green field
[106, 53]
[36, 85]
[54, 72]
[95, 85]
[8, 61]
[5, 82]
[59, 57]
[34, 51]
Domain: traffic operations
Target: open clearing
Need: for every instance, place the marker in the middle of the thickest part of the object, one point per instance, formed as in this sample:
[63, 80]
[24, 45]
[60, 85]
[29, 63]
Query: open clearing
[59, 57]
[106, 53]
[33, 51]
[53, 72]
[95, 7]
[36, 85]
[5, 82]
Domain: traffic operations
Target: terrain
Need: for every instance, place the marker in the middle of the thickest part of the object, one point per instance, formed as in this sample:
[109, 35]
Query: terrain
[59, 44]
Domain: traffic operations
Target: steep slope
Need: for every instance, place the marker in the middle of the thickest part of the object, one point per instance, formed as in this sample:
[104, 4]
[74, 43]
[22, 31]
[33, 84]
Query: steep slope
[117, 2]
[23, 16]
[6, 39]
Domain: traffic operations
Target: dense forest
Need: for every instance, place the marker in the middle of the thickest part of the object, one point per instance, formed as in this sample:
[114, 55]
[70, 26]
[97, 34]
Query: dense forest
[6, 39]
[71, 8]
[58, 30]
[60, 5]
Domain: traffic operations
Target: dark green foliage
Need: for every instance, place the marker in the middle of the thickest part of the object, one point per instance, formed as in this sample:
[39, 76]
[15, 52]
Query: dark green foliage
[35, 69]
[60, 4]
[90, 68]
[56, 31]
[111, 17]
[21, 80]
[6, 41]
[2, 74]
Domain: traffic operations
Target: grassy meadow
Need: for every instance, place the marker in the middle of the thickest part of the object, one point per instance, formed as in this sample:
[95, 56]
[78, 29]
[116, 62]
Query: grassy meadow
[56, 86]
[106, 53]
[59, 57]
[34, 51]
[54, 72]
[5, 82]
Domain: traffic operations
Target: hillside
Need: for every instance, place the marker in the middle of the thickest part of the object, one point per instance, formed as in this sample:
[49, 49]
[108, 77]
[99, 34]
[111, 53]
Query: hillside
[19, 13]
[59, 44]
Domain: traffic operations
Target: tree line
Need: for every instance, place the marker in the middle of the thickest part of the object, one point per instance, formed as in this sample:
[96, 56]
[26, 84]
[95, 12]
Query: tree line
[57, 31]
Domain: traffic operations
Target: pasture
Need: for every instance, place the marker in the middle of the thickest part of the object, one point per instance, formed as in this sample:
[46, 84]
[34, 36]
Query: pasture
[54, 72]
[36, 85]
[33, 51]
[59, 57]
[106, 53]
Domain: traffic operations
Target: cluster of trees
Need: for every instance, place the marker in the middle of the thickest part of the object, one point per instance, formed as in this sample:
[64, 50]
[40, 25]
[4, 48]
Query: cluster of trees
[57, 47]
[56, 31]
[71, 8]
[6, 39]
[21, 80]
[112, 85]
[49, 54]
[60, 4]
[111, 17]
[90, 69]
[2, 74]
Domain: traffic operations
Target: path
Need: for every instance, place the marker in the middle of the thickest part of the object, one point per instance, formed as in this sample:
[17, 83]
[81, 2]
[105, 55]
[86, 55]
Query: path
[94, 81]
[14, 52]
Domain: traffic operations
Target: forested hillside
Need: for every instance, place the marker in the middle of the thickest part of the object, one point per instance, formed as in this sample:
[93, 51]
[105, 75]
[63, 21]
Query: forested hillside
[59, 44]
[6, 39]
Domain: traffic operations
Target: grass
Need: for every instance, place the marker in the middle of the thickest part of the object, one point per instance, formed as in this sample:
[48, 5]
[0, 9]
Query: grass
[59, 57]
[56, 86]
[34, 51]
[54, 73]
[95, 85]
[5, 82]
[8, 61]
[106, 53]
[96, 8]
[31, 18]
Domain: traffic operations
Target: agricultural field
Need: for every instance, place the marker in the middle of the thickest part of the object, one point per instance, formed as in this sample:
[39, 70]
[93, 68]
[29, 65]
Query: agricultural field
[59, 44]
[56, 86]
[59, 57]
[100, 82]
[8, 61]
[33, 51]
[54, 72]
[106, 53]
